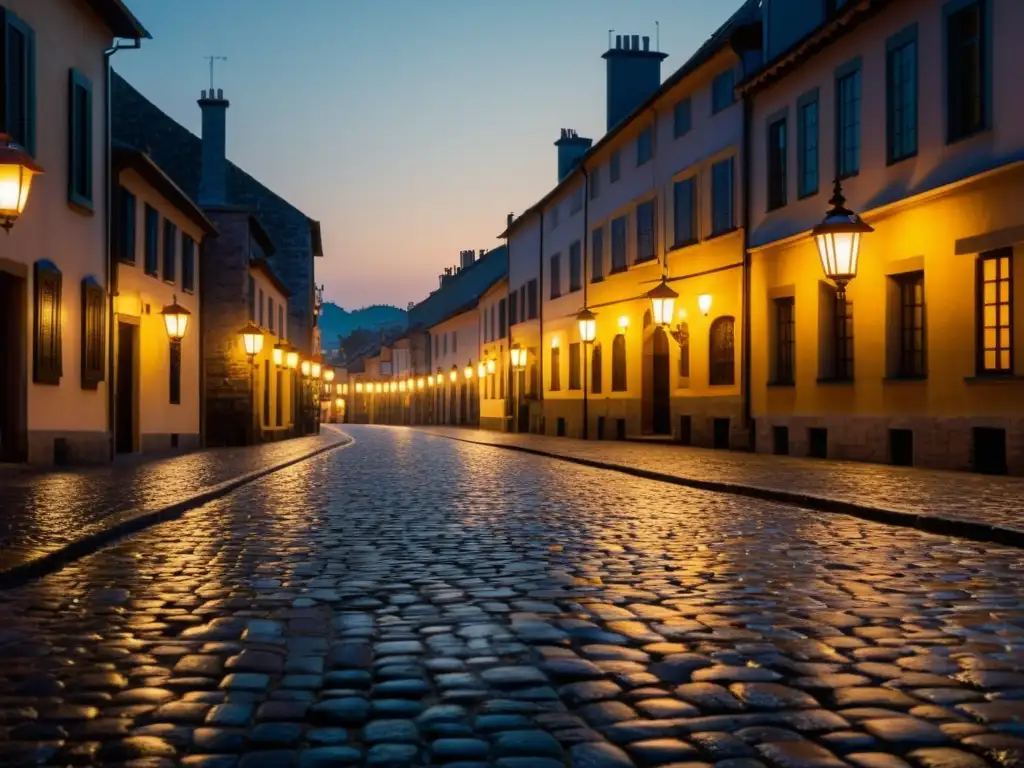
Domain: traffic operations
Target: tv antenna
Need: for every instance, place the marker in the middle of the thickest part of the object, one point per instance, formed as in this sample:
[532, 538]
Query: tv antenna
[213, 60]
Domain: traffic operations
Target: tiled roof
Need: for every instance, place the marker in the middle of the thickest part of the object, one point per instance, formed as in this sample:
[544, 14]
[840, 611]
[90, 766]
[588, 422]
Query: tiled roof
[461, 291]
[119, 19]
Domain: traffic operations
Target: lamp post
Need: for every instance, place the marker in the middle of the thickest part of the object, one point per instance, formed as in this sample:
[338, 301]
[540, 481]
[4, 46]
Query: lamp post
[252, 340]
[517, 356]
[175, 320]
[838, 240]
[17, 168]
[291, 362]
[587, 322]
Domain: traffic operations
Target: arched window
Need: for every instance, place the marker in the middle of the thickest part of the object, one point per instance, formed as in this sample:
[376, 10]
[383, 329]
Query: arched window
[595, 370]
[722, 370]
[619, 364]
[683, 337]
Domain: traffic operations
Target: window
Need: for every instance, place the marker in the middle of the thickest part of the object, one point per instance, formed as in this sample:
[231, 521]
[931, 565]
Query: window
[645, 229]
[574, 365]
[576, 201]
[47, 351]
[94, 307]
[531, 298]
[901, 95]
[522, 302]
[722, 91]
[785, 340]
[618, 244]
[594, 179]
[968, 68]
[174, 383]
[995, 312]
[556, 376]
[645, 146]
[487, 317]
[910, 358]
[437, 346]
[260, 307]
[777, 158]
[807, 144]
[126, 213]
[494, 320]
[152, 265]
[502, 315]
[445, 344]
[80, 140]
[722, 216]
[280, 321]
[684, 350]
[613, 168]
[513, 307]
[722, 357]
[848, 119]
[684, 203]
[171, 251]
[619, 363]
[270, 313]
[595, 370]
[188, 264]
[556, 276]
[682, 118]
[455, 342]
[252, 298]
[597, 255]
[575, 267]
[279, 398]
[19, 81]
[843, 364]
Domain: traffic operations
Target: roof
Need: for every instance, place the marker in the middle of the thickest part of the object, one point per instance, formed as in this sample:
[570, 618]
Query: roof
[844, 21]
[119, 19]
[749, 13]
[467, 285]
[125, 156]
[262, 265]
[256, 228]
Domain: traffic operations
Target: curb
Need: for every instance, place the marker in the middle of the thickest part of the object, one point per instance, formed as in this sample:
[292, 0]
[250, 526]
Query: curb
[137, 521]
[944, 526]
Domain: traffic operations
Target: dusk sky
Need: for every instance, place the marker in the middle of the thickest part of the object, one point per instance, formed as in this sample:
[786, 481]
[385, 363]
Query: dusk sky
[409, 128]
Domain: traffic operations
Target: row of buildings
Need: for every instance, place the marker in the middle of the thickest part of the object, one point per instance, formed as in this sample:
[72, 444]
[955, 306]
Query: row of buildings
[153, 295]
[806, 240]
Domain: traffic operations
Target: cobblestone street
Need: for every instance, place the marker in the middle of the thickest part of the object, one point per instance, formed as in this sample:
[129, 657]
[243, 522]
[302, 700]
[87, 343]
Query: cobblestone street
[414, 600]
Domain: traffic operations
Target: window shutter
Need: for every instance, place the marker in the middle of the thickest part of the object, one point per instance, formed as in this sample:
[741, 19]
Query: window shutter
[47, 362]
[80, 139]
[93, 322]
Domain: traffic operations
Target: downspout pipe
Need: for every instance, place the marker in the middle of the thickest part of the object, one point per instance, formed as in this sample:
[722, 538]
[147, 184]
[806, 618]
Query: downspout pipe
[586, 238]
[108, 239]
[747, 332]
[540, 312]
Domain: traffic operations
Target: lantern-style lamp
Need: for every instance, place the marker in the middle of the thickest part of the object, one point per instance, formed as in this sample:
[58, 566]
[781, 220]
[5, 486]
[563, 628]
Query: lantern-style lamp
[517, 356]
[380, 388]
[291, 358]
[454, 374]
[663, 303]
[401, 386]
[430, 380]
[481, 369]
[316, 369]
[623, 323]
[420, 383]
[175, 318]
[17, 168]
[252, 338]
[328, 375]
[305, 368]
[359, 387]
[838, 241]
[468, 370]
[587, 322]
[704, 303]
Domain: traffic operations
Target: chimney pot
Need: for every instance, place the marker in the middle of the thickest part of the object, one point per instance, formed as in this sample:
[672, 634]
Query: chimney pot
[635, 43]
[510, 219]
[647, 43]
[220, 94]
[618, 41]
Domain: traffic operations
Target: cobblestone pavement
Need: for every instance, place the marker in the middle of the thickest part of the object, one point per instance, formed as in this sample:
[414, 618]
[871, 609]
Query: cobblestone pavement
[957, 495]
[43, 511]
[415, 600]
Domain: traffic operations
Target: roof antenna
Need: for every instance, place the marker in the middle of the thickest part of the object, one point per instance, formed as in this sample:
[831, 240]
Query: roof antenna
[657, 36]
[213, 59]
[610, 38]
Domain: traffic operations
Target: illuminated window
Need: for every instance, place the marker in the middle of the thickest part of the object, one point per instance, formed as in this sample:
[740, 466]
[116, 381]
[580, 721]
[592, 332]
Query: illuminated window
[722, 355]
[910, 343]
[995, 312]
[785, 340]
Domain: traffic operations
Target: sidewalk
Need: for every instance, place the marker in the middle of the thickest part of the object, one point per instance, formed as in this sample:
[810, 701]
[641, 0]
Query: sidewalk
[46, 514]
[959, 503]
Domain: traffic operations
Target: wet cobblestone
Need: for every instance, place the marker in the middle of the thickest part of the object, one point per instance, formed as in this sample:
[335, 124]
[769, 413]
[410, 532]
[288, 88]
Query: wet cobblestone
[419, 601]
[44, 511]
[956, 495]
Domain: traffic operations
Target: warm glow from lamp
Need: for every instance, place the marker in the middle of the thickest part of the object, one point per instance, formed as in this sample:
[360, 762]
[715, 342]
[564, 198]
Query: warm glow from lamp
[623, 322]
[291, 359]
[359, 386]
[344, 389]
[468, 371]
[278, 355]
[337, 388]
[252, 339]
[587, 322]
[492, 365]
[481, 369]
[401, 386]
[704, 302]
[663, 303]
[17, 168]
[838, 240]
[316, 370]
[305, 368]
[339, 402]
[420, 383]
[554, 342]
[175, 319]
[328, 375]
[430, 381]
[517, 356]
[453, 375]
[380, 388]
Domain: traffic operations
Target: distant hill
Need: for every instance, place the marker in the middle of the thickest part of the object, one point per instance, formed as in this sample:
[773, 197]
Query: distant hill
[336, 322]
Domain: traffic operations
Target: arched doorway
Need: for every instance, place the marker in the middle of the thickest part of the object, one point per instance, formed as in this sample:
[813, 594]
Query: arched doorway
[656, 406]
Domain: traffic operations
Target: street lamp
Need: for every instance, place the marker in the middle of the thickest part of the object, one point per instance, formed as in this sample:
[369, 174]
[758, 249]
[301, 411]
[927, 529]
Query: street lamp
[587, 322]
[280, 351]
[704, 303]
[838, 241]
[315, 369]
[663, 302]
[328, 375]
[291, 358]
[359, 387]
[454, 375]
[491, 365]
[175, 319]
[305, 368]
[430, 380]
[16, 171]
[517, 356]
[252, 339]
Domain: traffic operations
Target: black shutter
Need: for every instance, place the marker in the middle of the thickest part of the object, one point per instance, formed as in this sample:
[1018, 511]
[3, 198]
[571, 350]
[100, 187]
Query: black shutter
[47, 363]
[92, 333]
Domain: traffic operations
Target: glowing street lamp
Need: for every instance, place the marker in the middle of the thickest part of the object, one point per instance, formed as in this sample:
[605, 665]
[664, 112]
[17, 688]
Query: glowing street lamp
[663, 302]
[305, 368]
[454, 375]
[430, 380]
[420, 383]
[252, 338]
[175, 319]
[481, 369]
[704, 303]
[468, 370]
[838, 241]
[16, 171]
[517, 357]
[328, 375]
[359, 387]
[401, 386]
[492, 365]
[291, 358]
[279, 354]
[315, 369]
[587, 321]
[623, 323]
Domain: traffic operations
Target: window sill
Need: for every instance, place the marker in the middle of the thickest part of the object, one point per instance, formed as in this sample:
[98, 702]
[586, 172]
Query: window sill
[682, 244]
[774, 208]
[834, 381]
[723, 232]
[645, 260]
[154, 275]
[781, 384]
[189, 291]
[994, 378]
[617, 270]
[904, 379]
[82, 205]
[127, 262]
[807, 194]
[597, 279]
[891, 161]
[850, 175]
[951, 140]
[170, 281]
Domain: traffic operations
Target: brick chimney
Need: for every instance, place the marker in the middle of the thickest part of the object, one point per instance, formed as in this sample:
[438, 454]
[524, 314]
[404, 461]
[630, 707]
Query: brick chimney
[634, 73]
[571, 149]
[213, 182]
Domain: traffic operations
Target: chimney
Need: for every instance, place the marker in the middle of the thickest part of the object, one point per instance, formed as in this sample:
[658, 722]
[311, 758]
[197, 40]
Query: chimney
[213, 182]
[633, 75]
[509, 220]
[571, 149]
[466, 258]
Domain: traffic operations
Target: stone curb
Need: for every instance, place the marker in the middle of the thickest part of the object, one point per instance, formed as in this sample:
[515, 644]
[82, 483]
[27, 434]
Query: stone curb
[135, 521]
[944, 526]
